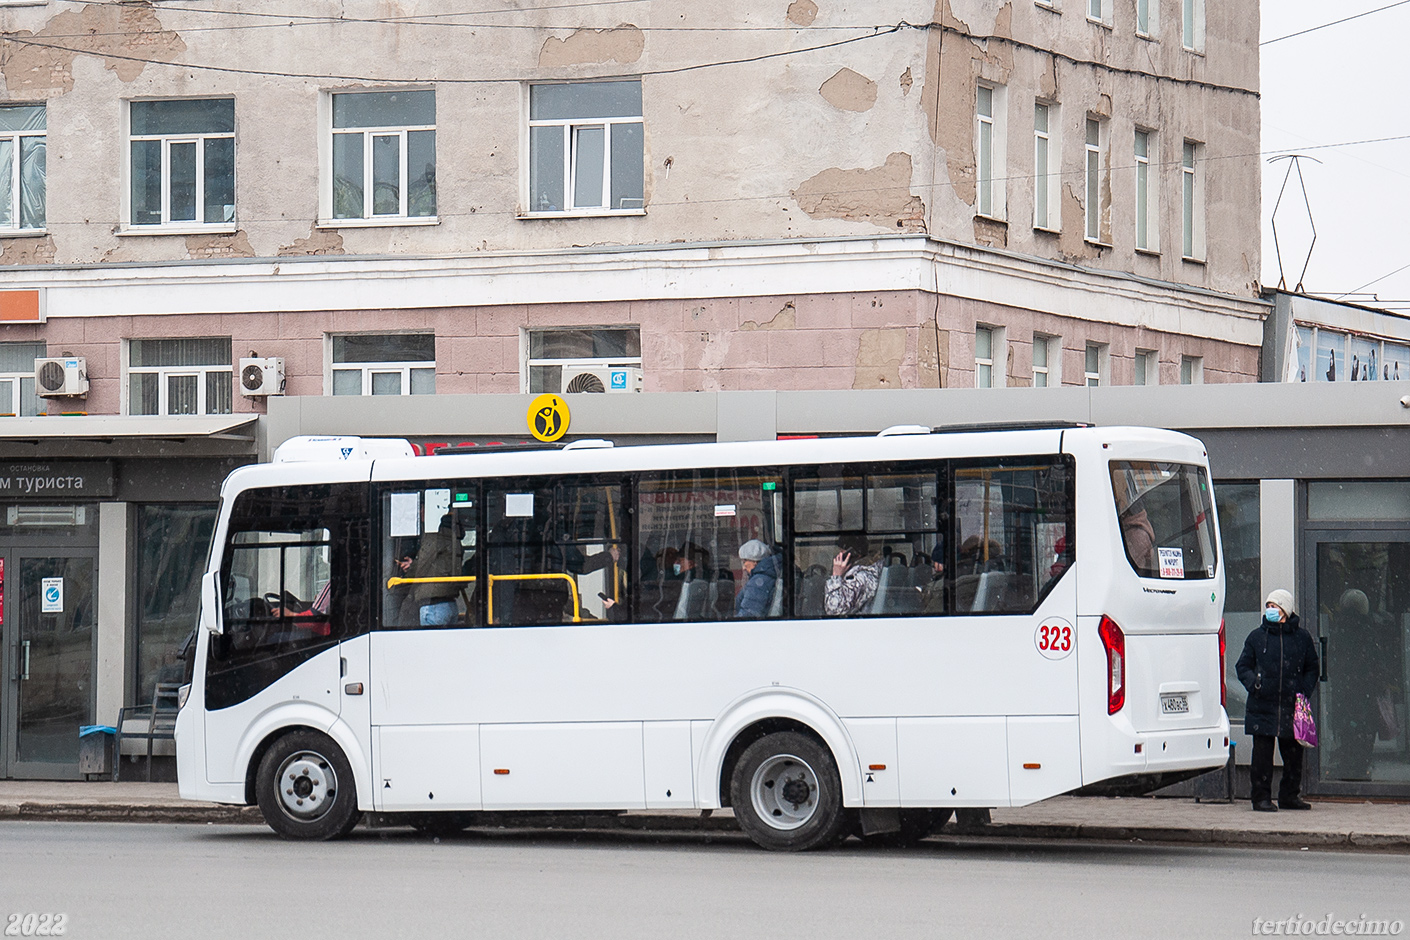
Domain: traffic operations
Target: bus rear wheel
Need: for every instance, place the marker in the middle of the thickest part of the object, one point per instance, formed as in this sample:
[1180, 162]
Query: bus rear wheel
[305, 788]
[787, 794]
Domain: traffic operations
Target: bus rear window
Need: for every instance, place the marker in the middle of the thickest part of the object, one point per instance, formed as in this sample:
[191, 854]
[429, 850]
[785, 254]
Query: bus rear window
[1167, 519]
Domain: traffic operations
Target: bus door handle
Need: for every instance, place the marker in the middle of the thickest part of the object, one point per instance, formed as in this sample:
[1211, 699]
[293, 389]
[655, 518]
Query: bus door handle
[1322, 641]
[24, 660]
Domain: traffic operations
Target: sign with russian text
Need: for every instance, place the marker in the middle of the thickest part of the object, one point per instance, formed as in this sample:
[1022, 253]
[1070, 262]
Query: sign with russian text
[1172, 562]
[51, 595]
[56, 480]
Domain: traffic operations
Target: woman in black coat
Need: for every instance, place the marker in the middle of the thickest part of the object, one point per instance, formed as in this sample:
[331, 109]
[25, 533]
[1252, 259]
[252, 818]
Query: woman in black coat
[1279, 661]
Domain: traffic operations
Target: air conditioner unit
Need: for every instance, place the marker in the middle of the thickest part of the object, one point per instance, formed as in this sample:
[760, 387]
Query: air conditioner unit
[262, 376]
[601, 379]
[65, 377]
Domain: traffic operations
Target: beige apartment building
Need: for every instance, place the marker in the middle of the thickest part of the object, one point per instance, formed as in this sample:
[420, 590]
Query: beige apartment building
[203, 205]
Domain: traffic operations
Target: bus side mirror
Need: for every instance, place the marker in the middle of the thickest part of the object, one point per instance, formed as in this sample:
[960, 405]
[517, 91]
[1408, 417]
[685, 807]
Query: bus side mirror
[210, 603]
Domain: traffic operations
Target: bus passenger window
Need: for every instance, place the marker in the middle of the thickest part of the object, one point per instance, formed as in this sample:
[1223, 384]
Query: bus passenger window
[1014, 525]
[694, 525]
[555, 554]
[1166, 518]
[428, 556]
[868, 544]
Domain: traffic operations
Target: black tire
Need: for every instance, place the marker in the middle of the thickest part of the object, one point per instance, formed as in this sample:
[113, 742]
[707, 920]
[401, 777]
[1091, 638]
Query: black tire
[305, 788]
[916, 824]
[787, 794]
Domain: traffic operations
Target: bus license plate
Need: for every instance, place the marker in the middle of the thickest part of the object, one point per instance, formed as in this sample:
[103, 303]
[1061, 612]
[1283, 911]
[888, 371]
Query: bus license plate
[1175, 704]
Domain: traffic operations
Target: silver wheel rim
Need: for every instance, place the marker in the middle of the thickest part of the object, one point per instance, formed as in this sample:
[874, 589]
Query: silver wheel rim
[784, 792]
[307, 785]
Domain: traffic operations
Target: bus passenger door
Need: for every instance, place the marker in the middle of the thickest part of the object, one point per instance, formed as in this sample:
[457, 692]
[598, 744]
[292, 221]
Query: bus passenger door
[355, 711]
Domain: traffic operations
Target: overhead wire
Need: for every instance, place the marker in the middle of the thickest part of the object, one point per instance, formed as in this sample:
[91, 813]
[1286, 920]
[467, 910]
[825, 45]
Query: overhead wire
[1344, 19]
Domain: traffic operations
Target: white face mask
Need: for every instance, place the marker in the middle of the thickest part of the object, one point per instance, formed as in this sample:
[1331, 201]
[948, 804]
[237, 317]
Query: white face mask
[676, 568]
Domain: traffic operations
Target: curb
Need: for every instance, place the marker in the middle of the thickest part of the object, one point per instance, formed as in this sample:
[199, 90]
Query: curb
[724, 823]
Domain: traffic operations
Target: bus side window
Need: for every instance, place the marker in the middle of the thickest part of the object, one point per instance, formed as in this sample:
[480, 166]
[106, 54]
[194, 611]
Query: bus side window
[556, 554]
[428, 556]
[883, 530]
[692, 524]
[1014, 525]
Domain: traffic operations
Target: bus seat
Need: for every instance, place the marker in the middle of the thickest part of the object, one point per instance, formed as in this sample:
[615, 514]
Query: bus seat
[811, 588]
[883, 585]
[776, 602]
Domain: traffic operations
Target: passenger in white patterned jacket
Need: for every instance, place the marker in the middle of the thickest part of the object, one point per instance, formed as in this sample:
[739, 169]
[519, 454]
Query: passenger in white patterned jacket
[853, 583]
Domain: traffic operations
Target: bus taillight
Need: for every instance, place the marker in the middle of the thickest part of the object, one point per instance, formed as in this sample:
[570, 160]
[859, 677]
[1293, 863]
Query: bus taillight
[1223, 683]
[1115, 642]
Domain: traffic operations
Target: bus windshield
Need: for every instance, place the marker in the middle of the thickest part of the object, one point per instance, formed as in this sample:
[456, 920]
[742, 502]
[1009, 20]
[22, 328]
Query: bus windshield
[1167, 525]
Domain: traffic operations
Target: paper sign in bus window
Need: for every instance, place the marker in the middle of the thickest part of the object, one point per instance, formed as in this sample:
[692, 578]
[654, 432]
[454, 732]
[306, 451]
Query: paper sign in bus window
[1172, 562]
[405, 509]
[519, 505]
[437, 505]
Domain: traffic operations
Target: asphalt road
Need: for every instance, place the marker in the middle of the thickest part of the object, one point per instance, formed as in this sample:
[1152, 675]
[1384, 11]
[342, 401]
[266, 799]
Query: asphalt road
[137, 880]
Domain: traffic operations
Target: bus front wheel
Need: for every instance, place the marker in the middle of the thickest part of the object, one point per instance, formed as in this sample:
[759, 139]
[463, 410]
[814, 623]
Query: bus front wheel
[787, 794]
[305, 788]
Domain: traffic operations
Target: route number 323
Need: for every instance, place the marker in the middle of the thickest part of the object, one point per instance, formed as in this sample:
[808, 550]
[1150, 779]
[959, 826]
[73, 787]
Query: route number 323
[1055, 639]
[36, 925]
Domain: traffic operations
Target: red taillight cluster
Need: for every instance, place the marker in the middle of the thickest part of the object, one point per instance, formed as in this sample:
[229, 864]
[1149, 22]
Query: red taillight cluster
[1115, 643]
[1223, 682]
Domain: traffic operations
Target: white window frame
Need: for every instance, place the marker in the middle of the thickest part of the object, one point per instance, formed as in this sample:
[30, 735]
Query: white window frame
[369, 369]
[991, 190]
[16, 224]
[1094, 176]
[1192, 25]
[1147, 18]
[984, 364]
[1191, 370]
[164, 376]
[528, 362]
[1100, 377]
[400, 131]
[1051, 368]
[166, 226]
[1147, 217]
[1052, 5]
[1047, 161]
[1146, 361]
[1192, 246]
[1099, 11]
[571, 127]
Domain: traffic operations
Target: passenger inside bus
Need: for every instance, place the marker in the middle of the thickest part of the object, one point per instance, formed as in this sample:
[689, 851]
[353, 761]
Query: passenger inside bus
[438, 558]
[761, 573]
[854, 580]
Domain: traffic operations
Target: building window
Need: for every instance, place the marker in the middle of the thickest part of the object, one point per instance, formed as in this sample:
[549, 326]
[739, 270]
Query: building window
[586, 148]
[989, 144]
[183, 162]
[1147, 367]
[1099, 11]
[1147, 12]
[1095, 363]
[1147, 228]
[983, 357]
[1095, 149]
[384, 155]
[1192, 202]
[179, 376]
[1047, 360]
[22, 167]
[1192, 25]
[1047, 191]
[17, 379]
[171, 546]
[558, 354]
[1191, 370]
[384, 364]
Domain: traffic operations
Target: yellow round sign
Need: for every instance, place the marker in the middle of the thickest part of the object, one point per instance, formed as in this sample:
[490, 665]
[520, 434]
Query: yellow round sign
[548, 418]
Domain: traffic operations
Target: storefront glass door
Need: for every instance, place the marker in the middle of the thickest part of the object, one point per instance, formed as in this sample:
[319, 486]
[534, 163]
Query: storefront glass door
[47, 619]
[1362, 620]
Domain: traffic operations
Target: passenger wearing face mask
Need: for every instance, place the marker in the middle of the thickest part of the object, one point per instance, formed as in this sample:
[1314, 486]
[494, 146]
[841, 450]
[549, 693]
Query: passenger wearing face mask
[1279, 661]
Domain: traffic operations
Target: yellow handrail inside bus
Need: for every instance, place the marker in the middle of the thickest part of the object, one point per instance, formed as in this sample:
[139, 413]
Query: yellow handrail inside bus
[395, 582]
[463, 579]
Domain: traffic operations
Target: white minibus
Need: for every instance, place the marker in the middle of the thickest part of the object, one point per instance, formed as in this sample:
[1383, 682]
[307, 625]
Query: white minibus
[829, 636]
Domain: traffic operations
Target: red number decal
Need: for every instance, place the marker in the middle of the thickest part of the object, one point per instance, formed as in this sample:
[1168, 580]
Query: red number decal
[1066, 639]
[1043, 637]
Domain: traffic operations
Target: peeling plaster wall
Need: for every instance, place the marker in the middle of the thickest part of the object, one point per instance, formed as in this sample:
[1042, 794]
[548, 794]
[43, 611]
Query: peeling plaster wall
[772, 148]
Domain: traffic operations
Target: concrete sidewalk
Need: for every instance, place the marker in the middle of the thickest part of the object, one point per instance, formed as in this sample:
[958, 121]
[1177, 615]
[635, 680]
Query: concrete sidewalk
[1354, 825]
